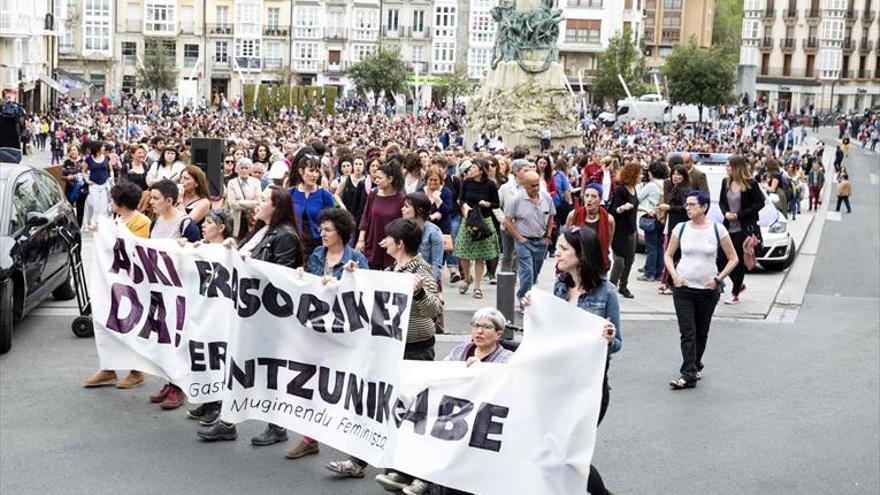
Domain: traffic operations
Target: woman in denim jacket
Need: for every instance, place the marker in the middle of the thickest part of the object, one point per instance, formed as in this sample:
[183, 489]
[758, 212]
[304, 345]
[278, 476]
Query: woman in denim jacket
[581, 282]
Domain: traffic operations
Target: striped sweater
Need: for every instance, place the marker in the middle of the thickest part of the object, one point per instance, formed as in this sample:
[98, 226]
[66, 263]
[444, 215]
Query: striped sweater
[426, 303]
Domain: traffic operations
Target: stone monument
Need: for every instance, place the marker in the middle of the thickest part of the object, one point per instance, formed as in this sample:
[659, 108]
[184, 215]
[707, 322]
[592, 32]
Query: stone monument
[525, 91]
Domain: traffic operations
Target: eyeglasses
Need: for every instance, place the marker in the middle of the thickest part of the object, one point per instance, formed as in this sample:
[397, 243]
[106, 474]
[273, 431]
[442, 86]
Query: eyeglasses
[483, 326]
[691, 204]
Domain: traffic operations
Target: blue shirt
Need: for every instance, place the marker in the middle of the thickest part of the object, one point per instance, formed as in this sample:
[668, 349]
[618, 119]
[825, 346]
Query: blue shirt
[309, 207]
[98, 172]
[602, 302]
[316, 262]
[562, 185]
[431, 248]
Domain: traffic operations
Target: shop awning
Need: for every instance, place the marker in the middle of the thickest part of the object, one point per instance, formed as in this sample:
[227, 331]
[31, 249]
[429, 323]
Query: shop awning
[52, 83]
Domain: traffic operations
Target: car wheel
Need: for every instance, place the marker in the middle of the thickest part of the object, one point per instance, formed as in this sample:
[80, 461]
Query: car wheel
[64, 292]
[6, 316]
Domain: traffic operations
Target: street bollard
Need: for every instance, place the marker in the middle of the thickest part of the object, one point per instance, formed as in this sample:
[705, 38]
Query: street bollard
[506, 299]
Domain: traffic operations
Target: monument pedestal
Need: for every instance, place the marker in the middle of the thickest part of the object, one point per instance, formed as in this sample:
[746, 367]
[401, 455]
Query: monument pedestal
[519, 106]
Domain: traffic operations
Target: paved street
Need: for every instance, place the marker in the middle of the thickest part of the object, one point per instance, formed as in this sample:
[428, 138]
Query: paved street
[784, 408]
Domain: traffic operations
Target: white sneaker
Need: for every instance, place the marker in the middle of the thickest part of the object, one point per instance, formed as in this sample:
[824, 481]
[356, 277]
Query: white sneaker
[392, 481]
[417, 487]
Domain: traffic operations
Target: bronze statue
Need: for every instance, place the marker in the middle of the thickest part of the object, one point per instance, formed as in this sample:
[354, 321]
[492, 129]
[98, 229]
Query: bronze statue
[523, 30]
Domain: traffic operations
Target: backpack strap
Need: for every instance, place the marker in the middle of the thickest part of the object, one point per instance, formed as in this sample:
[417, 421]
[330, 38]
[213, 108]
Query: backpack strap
[717, 237]
[681, 231]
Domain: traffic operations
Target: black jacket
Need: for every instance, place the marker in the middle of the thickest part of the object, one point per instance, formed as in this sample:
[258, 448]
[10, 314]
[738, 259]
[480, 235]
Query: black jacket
[751, 202]
[280, 246]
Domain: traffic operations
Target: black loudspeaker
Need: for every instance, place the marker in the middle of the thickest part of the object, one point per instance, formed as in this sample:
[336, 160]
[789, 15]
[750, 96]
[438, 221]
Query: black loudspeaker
[207, 154]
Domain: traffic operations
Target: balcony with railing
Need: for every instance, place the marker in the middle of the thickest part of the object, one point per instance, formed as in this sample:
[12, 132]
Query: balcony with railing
[813, 16]
[868, 16]
[443, 67]
[769, 13]
[306, 65]
[787, 44]
[275, 31]
[811, 44]
[307, 32]
[249, 63]
[790, 16]
[364, 34]
[670, 36]
[766, 43]
[190, 62]
[334, 67]
[418, 66]
[272, 63]
[863, 74]
[129, 60]
[420, 35]
[850, 16]
[793, 72]
[221, 29]
[220, 63]
[188, 27]
[14, 24]
[848, 45]
[865, 46]
[398, 32]
[335, 33]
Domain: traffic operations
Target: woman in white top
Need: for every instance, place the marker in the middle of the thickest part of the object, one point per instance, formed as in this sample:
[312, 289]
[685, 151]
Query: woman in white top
[242, 195]
[697, 282]
[168, 167]
[650, 196]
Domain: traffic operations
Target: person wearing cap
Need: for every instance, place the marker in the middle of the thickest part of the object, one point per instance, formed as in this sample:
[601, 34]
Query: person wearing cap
[594, 216]
[278, 172]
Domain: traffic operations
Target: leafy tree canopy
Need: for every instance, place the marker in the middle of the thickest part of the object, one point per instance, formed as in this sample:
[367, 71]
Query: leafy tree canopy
[699, 76]
[381, 73]
[621, 57]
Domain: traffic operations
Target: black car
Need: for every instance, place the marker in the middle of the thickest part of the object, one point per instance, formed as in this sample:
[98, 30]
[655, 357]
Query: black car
[34, 259]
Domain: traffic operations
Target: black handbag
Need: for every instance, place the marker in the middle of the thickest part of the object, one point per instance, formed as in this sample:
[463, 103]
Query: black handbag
[476, 226]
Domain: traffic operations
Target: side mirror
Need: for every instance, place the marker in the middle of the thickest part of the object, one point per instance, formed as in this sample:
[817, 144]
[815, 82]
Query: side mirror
[35, 219]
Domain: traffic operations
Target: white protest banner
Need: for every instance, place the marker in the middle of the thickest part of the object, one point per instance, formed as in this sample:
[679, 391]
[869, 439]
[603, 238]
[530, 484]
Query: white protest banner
[325, 361]
[527, 426]
[273, 344]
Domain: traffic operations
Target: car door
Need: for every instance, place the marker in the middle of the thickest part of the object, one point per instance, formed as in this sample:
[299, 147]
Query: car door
[33, 242]
[57, 214]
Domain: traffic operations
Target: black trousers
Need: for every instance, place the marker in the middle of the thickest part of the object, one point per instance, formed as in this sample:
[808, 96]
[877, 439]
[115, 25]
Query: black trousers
[694, 309]
[844, 200]
[738, 275]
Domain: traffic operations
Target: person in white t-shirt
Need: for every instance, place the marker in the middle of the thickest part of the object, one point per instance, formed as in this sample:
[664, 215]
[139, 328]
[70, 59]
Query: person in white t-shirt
[697, 282]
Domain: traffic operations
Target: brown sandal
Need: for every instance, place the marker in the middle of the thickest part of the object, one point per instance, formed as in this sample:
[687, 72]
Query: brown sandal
[465, 285]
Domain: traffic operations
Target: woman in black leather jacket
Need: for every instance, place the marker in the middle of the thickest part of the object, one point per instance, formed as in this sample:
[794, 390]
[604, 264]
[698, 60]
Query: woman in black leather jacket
[740, 202]
[272, 239]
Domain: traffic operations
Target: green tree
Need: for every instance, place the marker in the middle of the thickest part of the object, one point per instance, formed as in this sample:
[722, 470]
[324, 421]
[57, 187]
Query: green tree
[157, 72]
[382, 73]
[330, 93]
[458, 83]
[621, 57]
[249, 94]
[699, 76]
[727, 27]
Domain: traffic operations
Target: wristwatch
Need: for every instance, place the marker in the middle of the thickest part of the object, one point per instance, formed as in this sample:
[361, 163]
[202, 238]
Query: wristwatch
[717, 282]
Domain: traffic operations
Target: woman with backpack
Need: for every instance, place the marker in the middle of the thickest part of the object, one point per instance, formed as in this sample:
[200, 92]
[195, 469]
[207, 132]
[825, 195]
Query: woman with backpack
[740, 202]
[697, 282]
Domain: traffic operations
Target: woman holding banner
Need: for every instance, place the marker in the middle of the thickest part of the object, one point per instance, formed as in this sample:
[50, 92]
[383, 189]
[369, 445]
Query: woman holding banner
[328, 260]
[272, 239]
[582, 283]
[124, 199]
[401, 242]
[216, 228]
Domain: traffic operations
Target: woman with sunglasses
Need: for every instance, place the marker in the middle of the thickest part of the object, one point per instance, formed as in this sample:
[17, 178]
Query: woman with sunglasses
[582, 282]
[697, 282]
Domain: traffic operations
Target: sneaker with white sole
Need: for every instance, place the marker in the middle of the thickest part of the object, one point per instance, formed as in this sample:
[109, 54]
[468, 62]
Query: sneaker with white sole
[417, 487]
[734, 300]
[393, 481]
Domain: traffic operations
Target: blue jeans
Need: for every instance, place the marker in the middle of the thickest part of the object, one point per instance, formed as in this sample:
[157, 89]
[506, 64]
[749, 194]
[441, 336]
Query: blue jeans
[448, 258]
[529, 258]
[654, 253]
